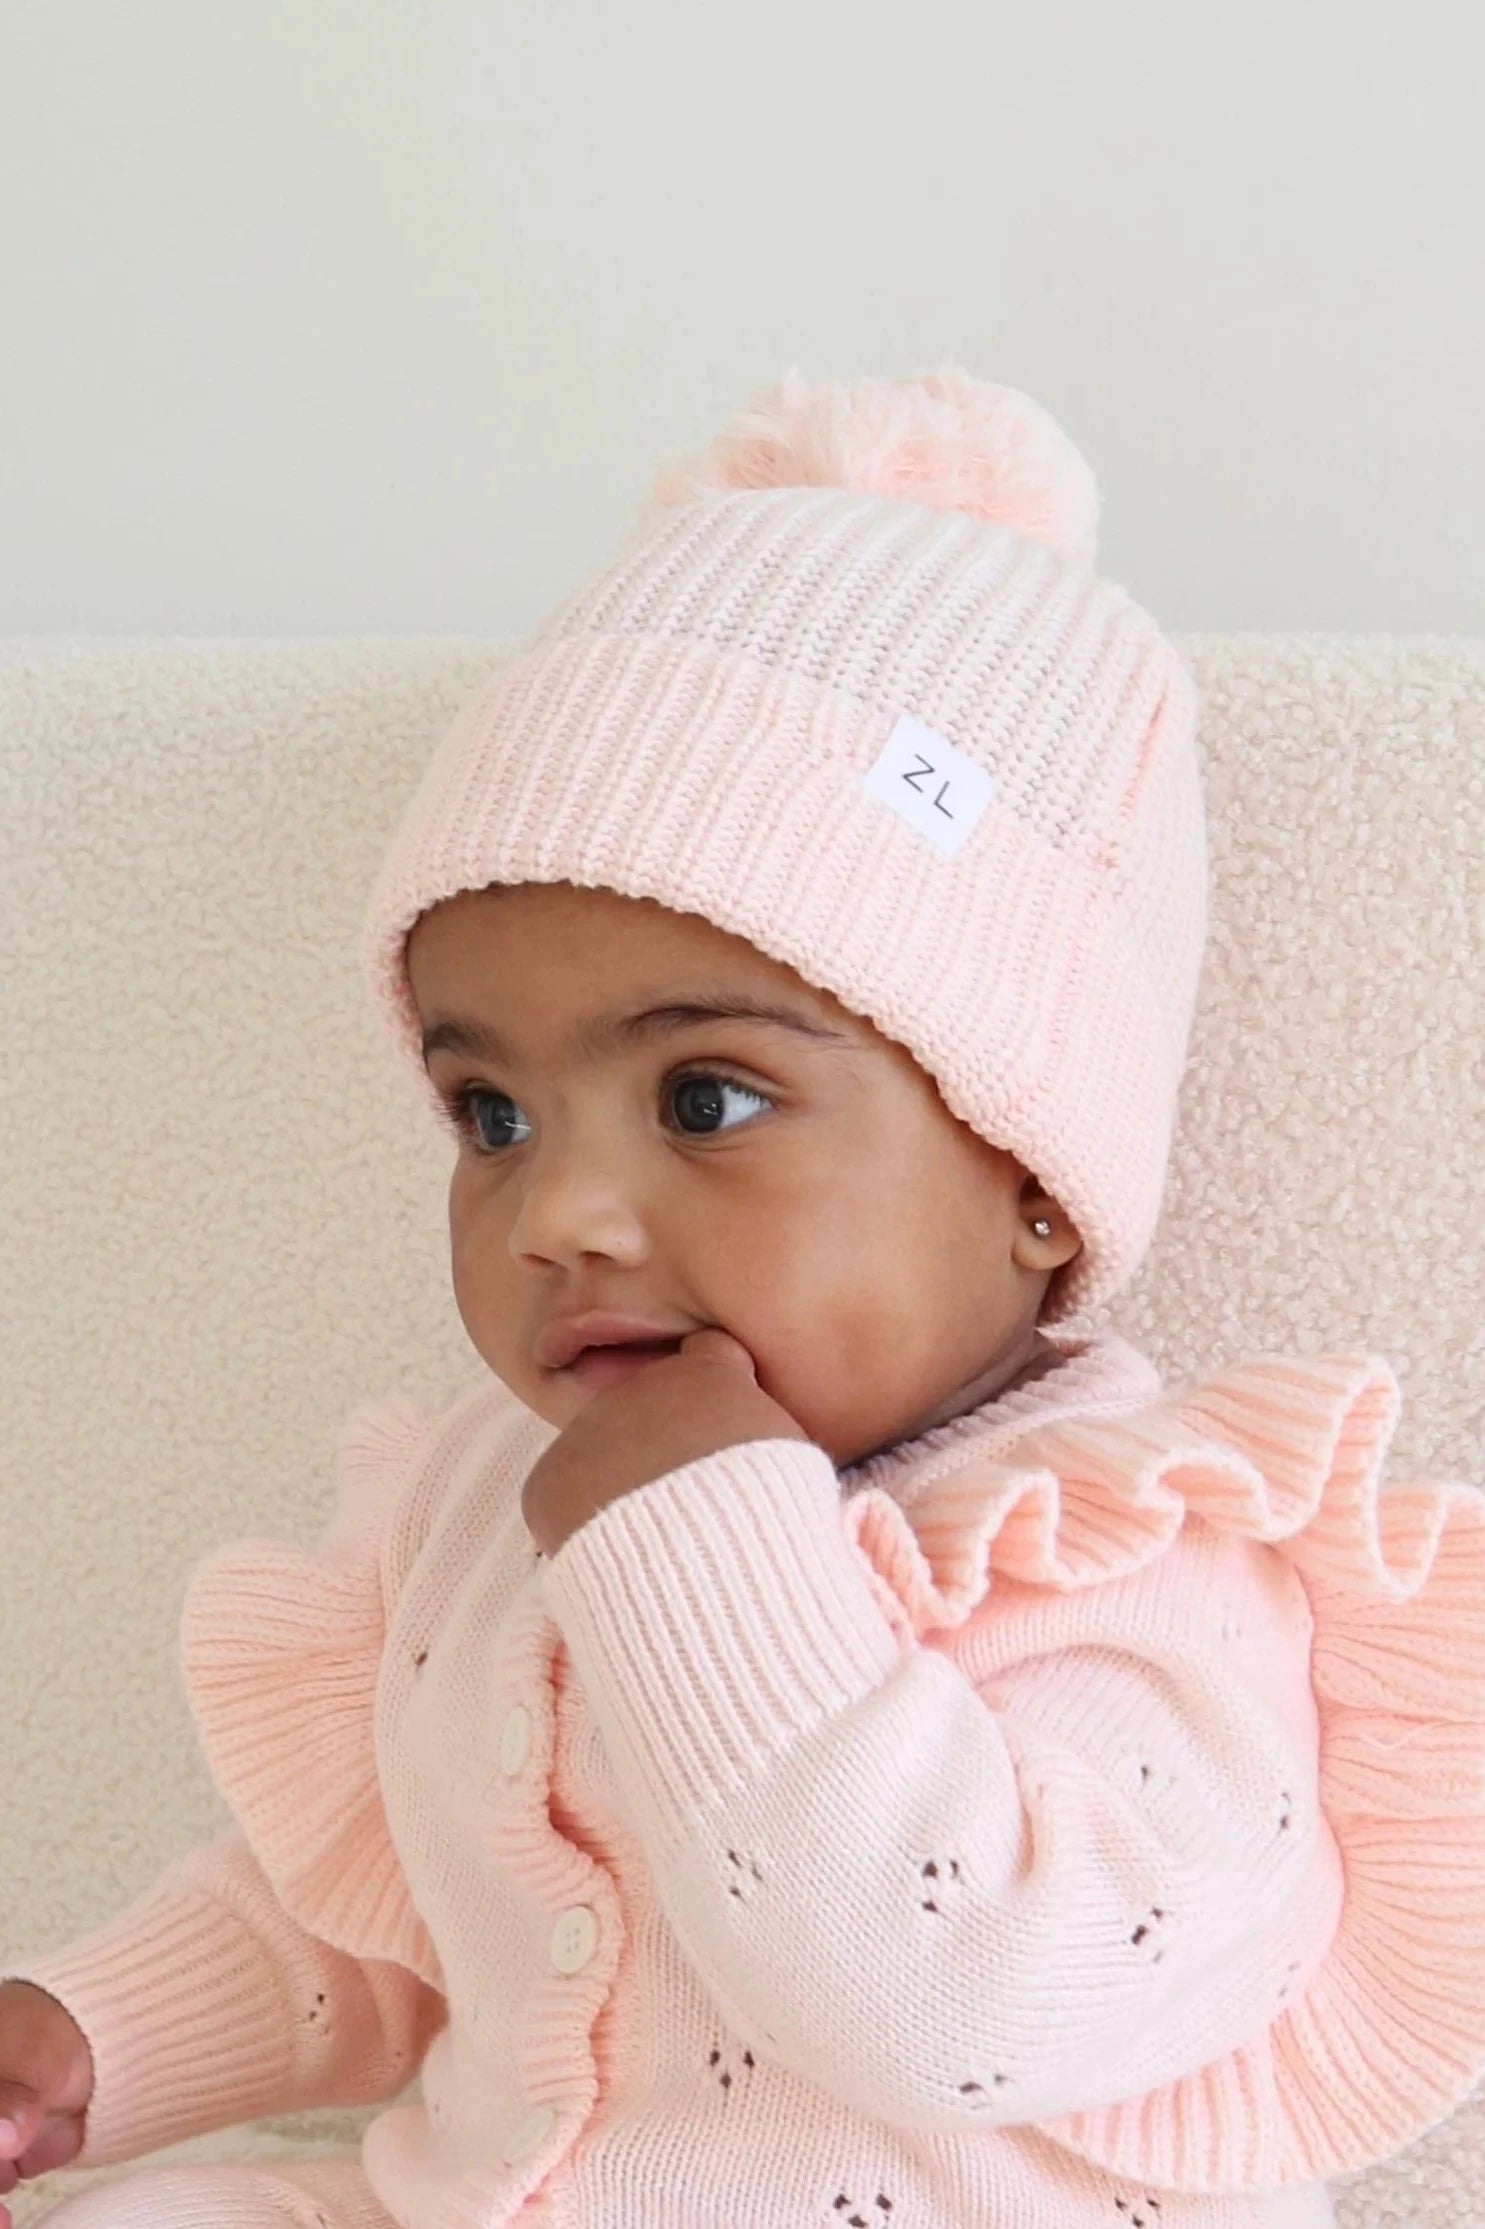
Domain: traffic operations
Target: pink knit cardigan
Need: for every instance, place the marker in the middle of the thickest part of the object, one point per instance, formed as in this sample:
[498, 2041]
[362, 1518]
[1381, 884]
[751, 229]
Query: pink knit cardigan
[1075, 1816]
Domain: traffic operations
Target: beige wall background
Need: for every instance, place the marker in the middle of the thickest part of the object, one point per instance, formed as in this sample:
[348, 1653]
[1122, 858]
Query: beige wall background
[330, 316]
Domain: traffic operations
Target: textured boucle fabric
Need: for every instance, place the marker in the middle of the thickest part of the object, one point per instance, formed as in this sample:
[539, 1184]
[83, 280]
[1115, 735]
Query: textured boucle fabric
[215, 1245]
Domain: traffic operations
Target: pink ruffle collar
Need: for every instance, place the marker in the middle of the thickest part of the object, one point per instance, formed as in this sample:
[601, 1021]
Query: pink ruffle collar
[1390, 2035]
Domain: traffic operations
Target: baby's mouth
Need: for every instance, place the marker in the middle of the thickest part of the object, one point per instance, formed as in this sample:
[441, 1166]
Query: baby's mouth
[605, 1362]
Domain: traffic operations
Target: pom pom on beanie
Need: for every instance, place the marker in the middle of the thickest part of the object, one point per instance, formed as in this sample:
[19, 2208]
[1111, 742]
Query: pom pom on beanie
[943, 439]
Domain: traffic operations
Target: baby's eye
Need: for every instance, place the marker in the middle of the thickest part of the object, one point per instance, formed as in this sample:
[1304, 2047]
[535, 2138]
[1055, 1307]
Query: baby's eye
[705, 1095]
[460, 1109]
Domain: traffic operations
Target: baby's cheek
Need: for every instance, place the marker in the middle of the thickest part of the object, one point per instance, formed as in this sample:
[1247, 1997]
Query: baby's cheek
[839, 1381]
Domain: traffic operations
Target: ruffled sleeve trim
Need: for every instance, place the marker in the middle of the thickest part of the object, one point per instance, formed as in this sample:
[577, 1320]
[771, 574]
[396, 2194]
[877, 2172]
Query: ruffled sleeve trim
[281, 1651]
[1389, 2036]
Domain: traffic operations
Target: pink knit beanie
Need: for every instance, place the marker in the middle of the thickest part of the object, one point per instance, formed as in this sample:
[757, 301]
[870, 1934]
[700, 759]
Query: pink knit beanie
[851, 690]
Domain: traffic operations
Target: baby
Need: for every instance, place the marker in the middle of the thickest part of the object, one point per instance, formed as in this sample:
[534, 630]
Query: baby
[808, 1742]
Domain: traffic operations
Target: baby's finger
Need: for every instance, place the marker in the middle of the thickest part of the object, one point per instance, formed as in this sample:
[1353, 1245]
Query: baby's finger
[58, 2144]
[712, 1339]
[20, 2118]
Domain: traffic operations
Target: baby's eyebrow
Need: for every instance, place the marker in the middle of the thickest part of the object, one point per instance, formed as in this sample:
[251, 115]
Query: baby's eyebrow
[605, 1033]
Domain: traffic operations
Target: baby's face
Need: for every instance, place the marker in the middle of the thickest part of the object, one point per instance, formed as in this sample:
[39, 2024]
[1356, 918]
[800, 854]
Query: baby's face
[804, 1188]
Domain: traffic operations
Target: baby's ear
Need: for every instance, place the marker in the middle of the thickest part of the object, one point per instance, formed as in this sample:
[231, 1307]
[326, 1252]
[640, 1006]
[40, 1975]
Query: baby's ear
[1048, 1231]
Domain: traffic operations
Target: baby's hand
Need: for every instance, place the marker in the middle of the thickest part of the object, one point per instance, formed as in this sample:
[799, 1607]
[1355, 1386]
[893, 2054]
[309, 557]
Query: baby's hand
[682, 1406]
[46, 2081]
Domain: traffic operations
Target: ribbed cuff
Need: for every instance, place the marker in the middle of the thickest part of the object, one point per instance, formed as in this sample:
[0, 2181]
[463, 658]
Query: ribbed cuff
[713, 1616]
[184, 2035]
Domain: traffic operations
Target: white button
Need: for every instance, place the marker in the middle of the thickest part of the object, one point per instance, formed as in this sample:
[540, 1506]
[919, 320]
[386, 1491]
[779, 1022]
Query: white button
[574, 1939]
[515, 1739]
[527, 2134]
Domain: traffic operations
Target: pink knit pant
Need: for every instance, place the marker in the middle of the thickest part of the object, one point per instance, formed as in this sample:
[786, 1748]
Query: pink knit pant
[326, 2193]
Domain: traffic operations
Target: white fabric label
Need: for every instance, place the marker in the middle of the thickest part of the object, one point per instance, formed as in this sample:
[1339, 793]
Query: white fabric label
[930, 783]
